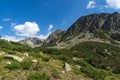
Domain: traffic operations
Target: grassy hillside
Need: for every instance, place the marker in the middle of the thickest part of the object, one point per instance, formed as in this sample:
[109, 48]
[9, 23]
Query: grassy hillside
[88, 61]
[100, 55]
[97, 60]
[38, 63]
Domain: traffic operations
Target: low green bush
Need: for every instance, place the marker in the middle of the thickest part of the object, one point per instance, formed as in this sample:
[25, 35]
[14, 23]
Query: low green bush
[35, 54]
[38, 76]
[55, 74]
[11, 52]
[46, 59]
[14, 65]
[64, 58]
[26, 65]
[1, 59]
[92, 72]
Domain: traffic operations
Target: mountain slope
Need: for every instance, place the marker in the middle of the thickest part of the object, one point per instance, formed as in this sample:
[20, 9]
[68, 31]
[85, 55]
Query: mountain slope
[88, 60]
[53, 38]
[94, 27]
[102, 27]
[35, 64]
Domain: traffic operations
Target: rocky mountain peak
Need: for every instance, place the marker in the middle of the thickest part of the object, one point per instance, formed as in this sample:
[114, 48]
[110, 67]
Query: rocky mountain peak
[33, 42]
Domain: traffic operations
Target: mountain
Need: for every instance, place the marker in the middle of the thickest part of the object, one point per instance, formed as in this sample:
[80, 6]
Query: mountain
[102, 27]
[53, 38]
[32, 42]
[93, 52]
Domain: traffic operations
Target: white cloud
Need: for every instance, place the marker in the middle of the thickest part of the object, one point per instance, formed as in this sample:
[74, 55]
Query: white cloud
[91, 4]
[50, 27]
[1, 27]
[28, 29]
[48, 33]
[113, 4]
[11, 38]
[44, 36]
[7, 19]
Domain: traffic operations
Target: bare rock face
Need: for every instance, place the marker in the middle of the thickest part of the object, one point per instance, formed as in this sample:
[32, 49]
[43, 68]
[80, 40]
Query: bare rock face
[67, 67]
[26, 54]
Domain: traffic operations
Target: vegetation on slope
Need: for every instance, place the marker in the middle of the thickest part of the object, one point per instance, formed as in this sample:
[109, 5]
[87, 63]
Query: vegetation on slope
[98, 61]
[100, 55]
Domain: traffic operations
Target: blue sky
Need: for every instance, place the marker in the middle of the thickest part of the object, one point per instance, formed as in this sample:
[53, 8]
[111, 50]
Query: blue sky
[20, 19]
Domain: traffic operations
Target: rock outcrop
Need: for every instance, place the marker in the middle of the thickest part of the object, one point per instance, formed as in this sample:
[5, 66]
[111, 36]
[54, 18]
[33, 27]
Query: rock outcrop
[13, 57]
[67, 67]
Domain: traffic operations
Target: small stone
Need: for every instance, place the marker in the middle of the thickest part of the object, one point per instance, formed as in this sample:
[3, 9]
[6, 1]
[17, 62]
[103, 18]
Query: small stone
[67, 67]
[78, 66]
[109, 53]
[106, 50]
[63, 72]
[41, 53]
[34, 60]
[8, 63]
[26, 54]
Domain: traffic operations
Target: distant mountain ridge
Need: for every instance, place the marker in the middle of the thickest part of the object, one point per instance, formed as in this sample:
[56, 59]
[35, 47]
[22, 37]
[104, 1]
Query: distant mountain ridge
[32, 42]
[104, 27]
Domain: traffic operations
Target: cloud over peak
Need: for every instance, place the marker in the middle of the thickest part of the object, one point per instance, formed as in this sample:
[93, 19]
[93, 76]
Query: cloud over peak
[28, 29]
[50, 27]
[91, 4]
[44, 36]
